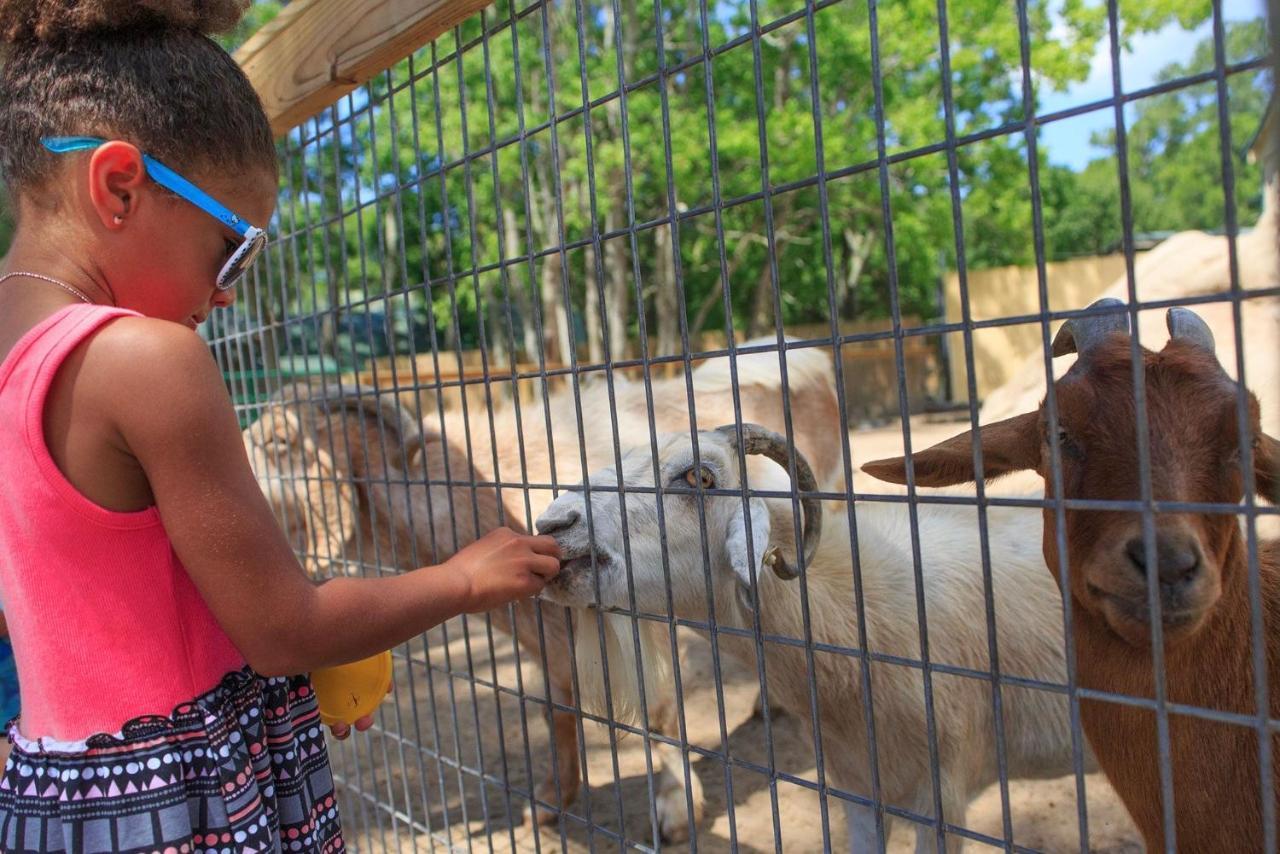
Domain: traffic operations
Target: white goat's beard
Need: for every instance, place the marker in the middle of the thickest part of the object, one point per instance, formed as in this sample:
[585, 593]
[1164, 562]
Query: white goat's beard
[625, 672]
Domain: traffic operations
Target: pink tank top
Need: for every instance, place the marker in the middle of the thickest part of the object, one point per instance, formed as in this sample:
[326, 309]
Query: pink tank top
[106, 624]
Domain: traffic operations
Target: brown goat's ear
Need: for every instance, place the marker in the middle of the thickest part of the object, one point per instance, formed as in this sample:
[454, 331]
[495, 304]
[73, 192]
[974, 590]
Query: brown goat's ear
[1266, 468]
[1007, 446]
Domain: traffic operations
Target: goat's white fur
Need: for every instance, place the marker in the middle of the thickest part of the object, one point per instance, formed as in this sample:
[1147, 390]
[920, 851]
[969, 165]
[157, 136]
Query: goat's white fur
[1027, 608]
[621, 647]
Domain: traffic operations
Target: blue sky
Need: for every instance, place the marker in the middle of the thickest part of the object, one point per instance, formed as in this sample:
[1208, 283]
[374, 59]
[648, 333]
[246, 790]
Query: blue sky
[1067, 141]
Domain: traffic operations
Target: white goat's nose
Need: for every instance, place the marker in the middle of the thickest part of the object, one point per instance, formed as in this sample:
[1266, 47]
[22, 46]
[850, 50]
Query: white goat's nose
[557, 518]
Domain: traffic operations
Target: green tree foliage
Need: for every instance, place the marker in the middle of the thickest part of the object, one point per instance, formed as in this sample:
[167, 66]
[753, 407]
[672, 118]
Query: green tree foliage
[1175, 157]
[454, 180]
[259, 13]
[490, 183]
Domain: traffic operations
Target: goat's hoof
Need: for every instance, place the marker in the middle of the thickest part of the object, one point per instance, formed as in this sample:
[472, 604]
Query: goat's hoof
[673, 829]
[546, 817]
[674, 822]
[676, 835]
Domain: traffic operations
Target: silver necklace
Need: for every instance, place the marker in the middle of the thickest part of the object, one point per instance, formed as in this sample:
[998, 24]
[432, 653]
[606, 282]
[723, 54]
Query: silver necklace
[68, 288]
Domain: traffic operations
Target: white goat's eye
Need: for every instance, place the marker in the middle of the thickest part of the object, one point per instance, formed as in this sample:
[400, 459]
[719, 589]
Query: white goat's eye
[700, 477]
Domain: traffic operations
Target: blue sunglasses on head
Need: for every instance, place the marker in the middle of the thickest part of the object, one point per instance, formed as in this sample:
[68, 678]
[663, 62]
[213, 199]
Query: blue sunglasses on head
[254, 239]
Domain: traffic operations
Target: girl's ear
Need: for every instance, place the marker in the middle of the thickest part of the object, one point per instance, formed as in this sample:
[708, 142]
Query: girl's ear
[116, 176]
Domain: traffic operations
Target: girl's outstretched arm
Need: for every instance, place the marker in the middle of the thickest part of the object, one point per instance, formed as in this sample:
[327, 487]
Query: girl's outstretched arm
[174, 416]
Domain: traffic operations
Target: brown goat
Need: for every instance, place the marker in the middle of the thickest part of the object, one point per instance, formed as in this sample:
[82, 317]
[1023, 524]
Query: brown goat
[373, 510]
[1200, 561]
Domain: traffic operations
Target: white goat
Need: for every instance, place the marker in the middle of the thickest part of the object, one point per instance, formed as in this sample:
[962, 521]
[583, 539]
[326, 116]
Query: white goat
[1029, 620]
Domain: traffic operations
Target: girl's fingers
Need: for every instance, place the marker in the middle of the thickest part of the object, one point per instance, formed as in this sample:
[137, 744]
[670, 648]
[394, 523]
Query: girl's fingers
[545, 566]
[342, 731]
[545, 545]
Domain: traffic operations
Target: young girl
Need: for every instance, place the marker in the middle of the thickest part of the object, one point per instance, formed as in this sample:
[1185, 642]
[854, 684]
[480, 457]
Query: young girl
[157, 612]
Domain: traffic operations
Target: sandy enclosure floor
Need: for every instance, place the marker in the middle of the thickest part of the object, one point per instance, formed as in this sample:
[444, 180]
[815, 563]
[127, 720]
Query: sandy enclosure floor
[449, 764]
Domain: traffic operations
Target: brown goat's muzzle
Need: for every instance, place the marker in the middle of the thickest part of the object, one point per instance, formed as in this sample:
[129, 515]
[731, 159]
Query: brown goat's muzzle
[1187, 578]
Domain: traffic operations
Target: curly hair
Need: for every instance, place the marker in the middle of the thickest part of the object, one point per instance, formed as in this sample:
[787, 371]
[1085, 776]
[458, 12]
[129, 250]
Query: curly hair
[139, 70]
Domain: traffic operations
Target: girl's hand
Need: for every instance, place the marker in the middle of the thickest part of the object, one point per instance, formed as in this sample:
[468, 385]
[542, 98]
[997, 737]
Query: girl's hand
[341, 731]
[502, 566]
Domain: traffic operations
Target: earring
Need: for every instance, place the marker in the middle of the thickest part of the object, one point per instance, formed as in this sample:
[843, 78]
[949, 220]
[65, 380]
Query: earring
[117, 219]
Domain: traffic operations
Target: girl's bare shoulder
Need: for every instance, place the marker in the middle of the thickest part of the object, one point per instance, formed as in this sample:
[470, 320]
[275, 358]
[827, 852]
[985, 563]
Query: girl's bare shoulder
[145, 371]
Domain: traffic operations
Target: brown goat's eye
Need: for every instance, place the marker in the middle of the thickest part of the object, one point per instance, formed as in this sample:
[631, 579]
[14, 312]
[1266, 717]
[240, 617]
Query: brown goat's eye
[1066, 442]
[700, 477]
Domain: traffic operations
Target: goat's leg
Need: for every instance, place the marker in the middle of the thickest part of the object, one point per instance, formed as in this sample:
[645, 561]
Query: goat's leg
[564, 778]
[675, 823]
[566, 771]
[954, 806]
[927, 841]
[861, 823]
[671, 798]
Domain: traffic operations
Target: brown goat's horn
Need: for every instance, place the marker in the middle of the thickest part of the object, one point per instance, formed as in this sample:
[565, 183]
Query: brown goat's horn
[385, 407]
[759, 440]
[1186, 325]
[1079, 334]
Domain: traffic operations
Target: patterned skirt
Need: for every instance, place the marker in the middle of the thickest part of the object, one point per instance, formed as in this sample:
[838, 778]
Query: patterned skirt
[242, 768]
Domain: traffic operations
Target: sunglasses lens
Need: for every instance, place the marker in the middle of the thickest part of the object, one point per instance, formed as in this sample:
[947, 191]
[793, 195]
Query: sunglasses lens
[238, 263]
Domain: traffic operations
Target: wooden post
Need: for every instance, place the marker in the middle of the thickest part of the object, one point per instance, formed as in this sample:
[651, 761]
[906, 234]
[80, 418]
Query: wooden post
[316, 51]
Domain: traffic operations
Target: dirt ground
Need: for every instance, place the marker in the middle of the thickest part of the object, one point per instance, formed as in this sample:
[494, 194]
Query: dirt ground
[447, 767]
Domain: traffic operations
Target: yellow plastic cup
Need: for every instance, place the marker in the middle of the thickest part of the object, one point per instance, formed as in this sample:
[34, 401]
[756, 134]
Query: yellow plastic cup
[348, 692]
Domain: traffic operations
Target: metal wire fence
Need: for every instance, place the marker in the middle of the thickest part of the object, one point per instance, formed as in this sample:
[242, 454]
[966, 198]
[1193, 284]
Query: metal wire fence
[493, 273]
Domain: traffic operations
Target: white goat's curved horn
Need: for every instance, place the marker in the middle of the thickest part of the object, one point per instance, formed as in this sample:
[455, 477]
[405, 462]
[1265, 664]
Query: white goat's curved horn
[1185, 325]
[760, 440]
[1078, 334]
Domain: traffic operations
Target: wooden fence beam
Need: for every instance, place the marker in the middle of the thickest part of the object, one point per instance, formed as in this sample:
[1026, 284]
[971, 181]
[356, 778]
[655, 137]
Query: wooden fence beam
[316, 51]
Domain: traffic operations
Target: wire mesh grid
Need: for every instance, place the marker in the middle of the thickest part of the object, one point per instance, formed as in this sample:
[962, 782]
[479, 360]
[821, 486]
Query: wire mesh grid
[492, 275]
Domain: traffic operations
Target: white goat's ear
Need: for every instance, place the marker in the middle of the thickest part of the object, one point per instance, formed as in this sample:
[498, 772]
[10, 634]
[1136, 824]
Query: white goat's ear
[736, 540]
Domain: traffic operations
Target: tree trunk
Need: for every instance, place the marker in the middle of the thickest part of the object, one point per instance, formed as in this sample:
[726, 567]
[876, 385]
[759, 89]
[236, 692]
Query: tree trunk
[496, 331]
[518, 287]
[666, 301]
[857, 249]
[390, 248]
[328, 332]
[761, 318]
[555, 334]
[618, 294]
[591, 315]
